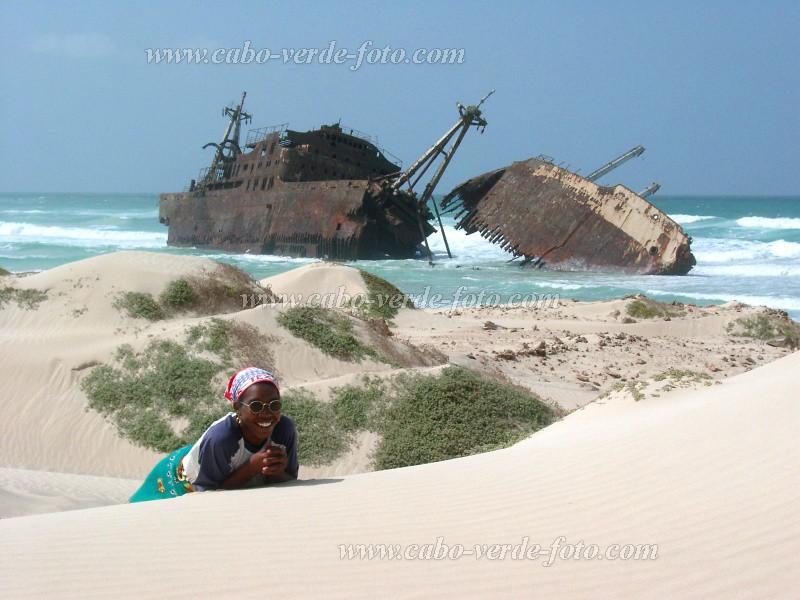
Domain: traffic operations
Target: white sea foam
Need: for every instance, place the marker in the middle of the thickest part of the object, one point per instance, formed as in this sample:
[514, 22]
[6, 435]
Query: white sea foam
[779, 302]
[720, 250]
[262, 258]
[684, 219]
[769, 223]
[80, 236]
[760, 269]
[22, 212]
[471, 247]
[563, 286]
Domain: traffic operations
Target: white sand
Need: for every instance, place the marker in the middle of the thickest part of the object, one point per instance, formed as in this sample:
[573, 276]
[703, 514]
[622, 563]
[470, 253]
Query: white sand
[709, 476]
[706, 471]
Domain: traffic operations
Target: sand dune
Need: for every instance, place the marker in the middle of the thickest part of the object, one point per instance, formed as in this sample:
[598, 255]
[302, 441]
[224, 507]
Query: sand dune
[706, 471]
[317, 278]
[708, 475]
[47, 350]
[26, 492]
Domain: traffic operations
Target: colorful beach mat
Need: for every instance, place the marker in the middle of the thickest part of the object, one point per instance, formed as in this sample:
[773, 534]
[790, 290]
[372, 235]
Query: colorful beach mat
[166, 480]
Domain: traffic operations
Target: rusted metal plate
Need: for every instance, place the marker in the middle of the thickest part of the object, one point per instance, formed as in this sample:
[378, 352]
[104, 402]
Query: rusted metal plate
[322, 219]
[553, 217]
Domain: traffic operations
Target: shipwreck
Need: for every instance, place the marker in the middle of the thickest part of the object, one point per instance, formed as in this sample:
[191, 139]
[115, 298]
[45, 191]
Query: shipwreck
[327, 193]
[547, 216]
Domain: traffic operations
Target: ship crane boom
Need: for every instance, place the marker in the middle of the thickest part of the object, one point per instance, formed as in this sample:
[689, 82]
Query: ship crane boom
[468, 116]
[228, 149]
[605, 169]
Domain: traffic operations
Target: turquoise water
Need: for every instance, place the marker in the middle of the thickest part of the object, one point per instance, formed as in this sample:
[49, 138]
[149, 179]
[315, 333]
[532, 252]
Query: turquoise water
[747, 248]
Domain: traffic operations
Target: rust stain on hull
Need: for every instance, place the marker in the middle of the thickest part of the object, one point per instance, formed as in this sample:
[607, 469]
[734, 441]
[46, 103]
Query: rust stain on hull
[555, 218]
[341, 220]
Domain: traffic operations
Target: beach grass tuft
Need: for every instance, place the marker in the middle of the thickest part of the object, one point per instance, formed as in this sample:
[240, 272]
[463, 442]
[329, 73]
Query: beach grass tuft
[767, 326]
[224, 289]
[27, 299]
[178, 295]
[384, 299]
[139, 305]
[327, 330]
[645, 308]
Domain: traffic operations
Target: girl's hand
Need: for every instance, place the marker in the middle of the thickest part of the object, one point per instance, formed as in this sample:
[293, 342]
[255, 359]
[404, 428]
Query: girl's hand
[270, 460]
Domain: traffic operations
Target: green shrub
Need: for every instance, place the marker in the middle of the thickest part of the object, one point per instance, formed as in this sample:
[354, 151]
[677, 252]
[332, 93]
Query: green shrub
[212, 336]
[766, 327]
[645, 308]
[178, 294]
[28, 299]
[4, 272]
[428, 418]
[327, 330]
[223, 289]
[321, 441]
[145, 393]
[356, 408]
[140, 305]
[383, 298]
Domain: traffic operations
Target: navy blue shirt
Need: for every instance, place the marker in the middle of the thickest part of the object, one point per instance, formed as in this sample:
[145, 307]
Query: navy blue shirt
[222, 449]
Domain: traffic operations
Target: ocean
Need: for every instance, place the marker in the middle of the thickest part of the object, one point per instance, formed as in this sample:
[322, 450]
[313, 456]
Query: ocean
[747, 249]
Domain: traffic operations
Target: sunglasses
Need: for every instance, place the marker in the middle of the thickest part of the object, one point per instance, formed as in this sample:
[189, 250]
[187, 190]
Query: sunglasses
[256, 406]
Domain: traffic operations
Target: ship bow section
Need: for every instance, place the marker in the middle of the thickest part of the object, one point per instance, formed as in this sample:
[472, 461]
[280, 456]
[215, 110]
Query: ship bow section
[553, 217]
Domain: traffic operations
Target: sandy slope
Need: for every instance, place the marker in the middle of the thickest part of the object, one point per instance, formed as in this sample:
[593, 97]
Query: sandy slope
[325, 279]
[708, 475]
[706, 471]
[46, 351]
[44, 423]
[25, 492]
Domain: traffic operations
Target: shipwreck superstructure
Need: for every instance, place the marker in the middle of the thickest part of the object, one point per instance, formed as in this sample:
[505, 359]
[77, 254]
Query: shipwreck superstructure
[545, 215]
[327, 193]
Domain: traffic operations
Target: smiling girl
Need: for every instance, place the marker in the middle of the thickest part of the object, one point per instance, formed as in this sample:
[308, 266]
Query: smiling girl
[253, 445]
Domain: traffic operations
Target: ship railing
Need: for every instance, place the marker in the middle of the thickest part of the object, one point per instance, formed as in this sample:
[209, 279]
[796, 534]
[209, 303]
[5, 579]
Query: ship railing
[372, 139]
[210, 176]
[359, 134]
[254, 136]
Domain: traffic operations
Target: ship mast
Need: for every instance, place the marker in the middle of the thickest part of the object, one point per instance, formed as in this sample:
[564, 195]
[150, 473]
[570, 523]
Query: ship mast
[468, 116]
[228, 149]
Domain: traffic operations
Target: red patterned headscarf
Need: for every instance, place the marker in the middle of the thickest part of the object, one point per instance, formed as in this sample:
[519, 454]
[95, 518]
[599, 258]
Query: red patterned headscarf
[245, 378]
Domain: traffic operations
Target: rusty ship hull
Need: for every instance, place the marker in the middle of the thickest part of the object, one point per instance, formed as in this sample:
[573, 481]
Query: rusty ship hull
[551, 217]
[339, 220]
[316, 194]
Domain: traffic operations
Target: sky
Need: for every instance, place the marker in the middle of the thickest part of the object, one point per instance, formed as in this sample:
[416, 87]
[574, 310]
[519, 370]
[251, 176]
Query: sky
[710, 89]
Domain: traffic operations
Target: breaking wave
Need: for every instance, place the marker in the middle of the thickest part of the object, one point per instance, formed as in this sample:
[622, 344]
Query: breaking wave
[463, 246]
[80, 236]
[779, 302]
[718, 250]
[769, 223]
[749, 270]
[684, 219]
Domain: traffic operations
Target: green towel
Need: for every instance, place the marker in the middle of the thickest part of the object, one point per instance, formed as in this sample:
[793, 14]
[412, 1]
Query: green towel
[166, 480]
